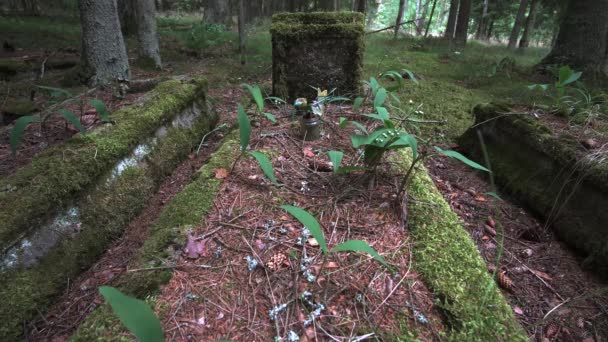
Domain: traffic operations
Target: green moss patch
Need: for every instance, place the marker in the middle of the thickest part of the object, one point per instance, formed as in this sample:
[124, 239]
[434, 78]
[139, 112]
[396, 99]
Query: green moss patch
[451, 266]
[57, 175]
[186, 209]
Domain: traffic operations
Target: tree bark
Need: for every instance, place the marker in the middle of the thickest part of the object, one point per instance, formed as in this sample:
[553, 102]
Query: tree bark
[361, 5]
[519, 19]
[481, 26]
[104, 55]
[149, 51]
[462, 24]
[402, 6]
[529, 28]
[428, 25]
[582, 38]
[242, 31]
[451, 25]
[127, 17]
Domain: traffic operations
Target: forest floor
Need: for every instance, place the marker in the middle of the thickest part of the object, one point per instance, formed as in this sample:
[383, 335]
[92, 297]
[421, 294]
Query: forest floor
[551, 296]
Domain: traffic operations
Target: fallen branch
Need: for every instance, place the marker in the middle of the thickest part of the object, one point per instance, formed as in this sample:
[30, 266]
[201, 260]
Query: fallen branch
[391, 27]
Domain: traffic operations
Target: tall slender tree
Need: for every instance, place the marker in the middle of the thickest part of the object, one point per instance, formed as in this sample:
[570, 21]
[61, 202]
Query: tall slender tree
[452, 17]
[530, 21]
[462, 24]
[483, 20]
[519, 20]
[583, 38]
[104, 56]
[242, 31]
[149, 50]
[400, 13]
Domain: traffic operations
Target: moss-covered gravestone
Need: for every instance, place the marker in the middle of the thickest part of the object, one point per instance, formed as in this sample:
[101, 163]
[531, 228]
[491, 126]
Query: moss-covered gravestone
[322, 50]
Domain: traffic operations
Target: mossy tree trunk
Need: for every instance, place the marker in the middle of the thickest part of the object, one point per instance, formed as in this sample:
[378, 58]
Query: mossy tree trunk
[400, 13]
[149, 51]
[462, 24]
[104, 56]
[451, 25]
[519, 20]
[360, 5]
[582, 38]
[530, 21]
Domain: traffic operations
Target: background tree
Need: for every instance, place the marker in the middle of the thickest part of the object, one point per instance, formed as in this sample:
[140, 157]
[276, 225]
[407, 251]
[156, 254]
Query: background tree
[402, 8]
[582, 39]
[242, 30]
[452, 17]
[104, 56]
[519, 19]
[149, 50]
[462, 23]
[529, 28]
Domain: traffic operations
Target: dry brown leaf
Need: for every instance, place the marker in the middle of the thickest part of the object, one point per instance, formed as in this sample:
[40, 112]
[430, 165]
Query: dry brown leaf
[491, 222]
[220, 173]
[308, 152]
[540, 274]
[313, 242]
[489, 230]
[331, 265]
[518, 310]
[480, 198]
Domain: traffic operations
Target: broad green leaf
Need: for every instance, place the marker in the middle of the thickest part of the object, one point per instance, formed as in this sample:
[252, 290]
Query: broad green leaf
[359, 126]
[395, 98]
[410, 74]
[343, 122]
[56, 91]
[383, 113]
[360, 140]
[396, 76]
[135, 314]
[359, 246]
[309, 222]
[244, 128]
[265, 165]
[71, 117]
[358, 102]
[538, 87]
[406, 140]
[380, 98]
[373, 83]
[256, 93]
[564, 73]
[573, 78]
[458, 156]
[336, 159]
[101, 109]
[19, 128]
[493, 194]
[270, 117]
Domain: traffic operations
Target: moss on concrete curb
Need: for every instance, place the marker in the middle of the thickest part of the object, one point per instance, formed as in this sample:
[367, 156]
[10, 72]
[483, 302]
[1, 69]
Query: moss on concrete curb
[473, 307]
[106, 210]
[167, 235]
[57, 175]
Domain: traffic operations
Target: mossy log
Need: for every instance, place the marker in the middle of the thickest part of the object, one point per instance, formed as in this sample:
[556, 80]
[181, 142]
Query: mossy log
[450, 264]
[552, 174]
[166, 237]
[107, 200]
[323, 50]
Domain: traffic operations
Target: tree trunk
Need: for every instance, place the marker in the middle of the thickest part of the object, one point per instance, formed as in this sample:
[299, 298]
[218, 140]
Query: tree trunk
[149, 51]
[443, 12]
[519, 19]
[525, 38]
[489, 31]
[402, 7]
[428, 25]
[462, 24]
[582, 38]
[104, 55]
[31, 7]
[127, 17]
[451, 26]
[361, 5]
[481, 26]
[242, 31]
